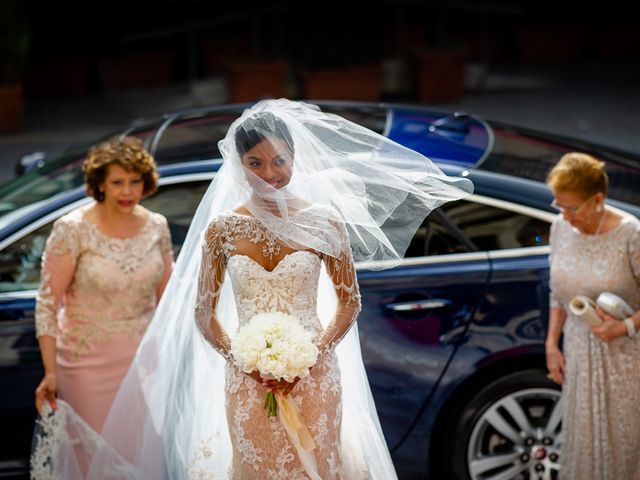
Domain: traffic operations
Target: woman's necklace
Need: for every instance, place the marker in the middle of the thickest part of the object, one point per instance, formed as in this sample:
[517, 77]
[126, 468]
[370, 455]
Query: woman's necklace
[604, 214]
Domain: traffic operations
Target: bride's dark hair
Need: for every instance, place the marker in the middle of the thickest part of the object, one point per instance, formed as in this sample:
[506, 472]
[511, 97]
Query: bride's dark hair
[259, 127]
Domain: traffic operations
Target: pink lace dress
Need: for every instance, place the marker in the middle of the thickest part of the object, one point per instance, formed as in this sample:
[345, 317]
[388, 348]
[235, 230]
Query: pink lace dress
[96, 297]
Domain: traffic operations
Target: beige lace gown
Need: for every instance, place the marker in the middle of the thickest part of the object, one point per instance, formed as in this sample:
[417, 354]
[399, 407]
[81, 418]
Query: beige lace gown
[601, 422]
[241, 246]
[96, 297]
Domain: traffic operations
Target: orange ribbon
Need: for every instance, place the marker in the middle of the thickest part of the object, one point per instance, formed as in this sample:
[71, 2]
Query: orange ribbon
[298, 434]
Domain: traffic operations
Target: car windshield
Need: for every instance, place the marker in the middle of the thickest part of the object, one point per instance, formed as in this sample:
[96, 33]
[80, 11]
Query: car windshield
[55, 177]
[51, 179]
[531, 155]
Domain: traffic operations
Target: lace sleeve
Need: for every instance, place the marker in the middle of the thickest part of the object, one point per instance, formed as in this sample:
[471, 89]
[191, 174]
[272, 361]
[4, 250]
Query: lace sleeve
[166, 246]
[210, 278]
[57, 271]
[553, 300]
[166, 249]
[343, 275]
[634, 254]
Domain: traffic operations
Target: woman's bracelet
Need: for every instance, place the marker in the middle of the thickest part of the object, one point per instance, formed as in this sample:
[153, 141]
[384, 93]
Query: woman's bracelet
[631, 327]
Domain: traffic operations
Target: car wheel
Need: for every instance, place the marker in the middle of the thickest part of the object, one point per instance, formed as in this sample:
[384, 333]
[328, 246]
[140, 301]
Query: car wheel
[509, 430]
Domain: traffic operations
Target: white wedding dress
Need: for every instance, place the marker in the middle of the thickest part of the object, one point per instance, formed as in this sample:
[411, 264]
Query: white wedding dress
[261, 448]
[184, 410]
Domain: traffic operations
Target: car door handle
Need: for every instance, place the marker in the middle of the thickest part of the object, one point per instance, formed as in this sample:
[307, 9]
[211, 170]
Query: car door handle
[429, 304]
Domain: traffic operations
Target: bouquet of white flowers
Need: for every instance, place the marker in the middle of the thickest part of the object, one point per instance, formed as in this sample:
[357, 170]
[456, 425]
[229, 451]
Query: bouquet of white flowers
[276, 345]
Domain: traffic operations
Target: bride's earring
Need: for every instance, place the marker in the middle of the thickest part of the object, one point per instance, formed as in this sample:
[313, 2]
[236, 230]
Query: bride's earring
[599, 208]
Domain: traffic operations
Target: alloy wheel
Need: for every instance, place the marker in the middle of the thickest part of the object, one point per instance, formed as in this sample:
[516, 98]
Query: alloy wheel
[518, 437]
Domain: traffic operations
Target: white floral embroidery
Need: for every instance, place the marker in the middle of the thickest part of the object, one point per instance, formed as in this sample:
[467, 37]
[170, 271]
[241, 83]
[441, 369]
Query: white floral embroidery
[84, 270]
[203, 456]
[261, 447]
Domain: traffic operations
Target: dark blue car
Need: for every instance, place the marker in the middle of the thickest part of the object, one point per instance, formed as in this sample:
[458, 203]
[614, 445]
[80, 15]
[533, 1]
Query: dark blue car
[452, 339]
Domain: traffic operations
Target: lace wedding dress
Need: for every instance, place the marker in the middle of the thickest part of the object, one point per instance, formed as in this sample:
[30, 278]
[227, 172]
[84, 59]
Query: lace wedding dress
[266, 277]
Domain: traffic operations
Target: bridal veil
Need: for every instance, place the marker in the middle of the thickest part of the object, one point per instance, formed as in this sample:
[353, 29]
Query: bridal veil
[168, 419]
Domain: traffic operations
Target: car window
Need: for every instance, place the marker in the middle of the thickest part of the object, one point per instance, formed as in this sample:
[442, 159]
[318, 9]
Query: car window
[20, 261]
[493, 228]
[466, 226]
[178, 203]
[193, 138]
[56, 176]
[434, 238]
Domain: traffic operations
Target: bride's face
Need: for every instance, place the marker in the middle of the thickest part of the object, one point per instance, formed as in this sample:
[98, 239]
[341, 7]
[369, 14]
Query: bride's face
[271, 160]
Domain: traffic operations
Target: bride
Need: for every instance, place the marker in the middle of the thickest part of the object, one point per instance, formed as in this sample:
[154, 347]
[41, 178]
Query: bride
[300, 195]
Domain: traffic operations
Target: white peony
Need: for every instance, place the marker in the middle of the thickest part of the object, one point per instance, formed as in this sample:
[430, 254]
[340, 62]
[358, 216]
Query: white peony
[276, 345]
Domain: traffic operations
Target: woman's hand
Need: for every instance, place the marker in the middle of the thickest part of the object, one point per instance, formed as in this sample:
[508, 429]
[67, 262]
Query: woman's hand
[288, 386]
[610, 328]
[257, 377]
[555, 364]
[273, 385]
[281, 386]
[47, 391]
[270, 383]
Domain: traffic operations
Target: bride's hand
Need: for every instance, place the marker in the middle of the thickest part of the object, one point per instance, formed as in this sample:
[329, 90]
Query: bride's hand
[271, 384]
[289, 386]
[257, 377]
[274, 385]
[282, 386]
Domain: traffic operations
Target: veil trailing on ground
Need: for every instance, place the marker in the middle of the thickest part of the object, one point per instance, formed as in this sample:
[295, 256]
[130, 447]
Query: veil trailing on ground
[169, 418]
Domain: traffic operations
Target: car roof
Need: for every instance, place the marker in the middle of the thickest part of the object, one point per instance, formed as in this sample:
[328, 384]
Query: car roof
[443, 135]
[186, 140]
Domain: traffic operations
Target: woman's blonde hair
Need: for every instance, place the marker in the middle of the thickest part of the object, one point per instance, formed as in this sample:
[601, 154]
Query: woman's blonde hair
[127, 152]
[579, 173]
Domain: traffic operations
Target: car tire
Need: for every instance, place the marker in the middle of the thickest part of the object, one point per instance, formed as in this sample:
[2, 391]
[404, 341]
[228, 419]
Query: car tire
[509, 429]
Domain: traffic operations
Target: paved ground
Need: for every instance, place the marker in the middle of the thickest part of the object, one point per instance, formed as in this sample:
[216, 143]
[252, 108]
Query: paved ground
[599, 102]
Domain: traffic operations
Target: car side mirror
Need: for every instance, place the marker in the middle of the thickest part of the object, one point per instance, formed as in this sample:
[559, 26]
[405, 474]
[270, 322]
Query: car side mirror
[28, 162]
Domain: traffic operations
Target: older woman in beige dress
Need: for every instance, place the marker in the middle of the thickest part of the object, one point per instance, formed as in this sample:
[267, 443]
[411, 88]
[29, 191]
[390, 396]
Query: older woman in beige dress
[594, 248]
[104, 268]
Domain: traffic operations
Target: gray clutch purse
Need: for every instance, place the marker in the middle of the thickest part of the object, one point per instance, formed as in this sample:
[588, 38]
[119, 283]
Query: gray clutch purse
[614, 305]
[585, 308]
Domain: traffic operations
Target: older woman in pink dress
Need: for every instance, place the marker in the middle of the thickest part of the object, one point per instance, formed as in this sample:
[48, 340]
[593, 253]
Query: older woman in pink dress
[104, 268]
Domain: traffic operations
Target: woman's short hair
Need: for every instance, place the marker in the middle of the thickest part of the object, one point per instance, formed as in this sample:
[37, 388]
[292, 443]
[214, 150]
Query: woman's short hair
[579, 173]
[261, 126]
[127, 152]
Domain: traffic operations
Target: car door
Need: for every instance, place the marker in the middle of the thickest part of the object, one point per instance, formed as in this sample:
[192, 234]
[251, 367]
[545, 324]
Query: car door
[413, 314]
[417, 355]
[501, 357]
